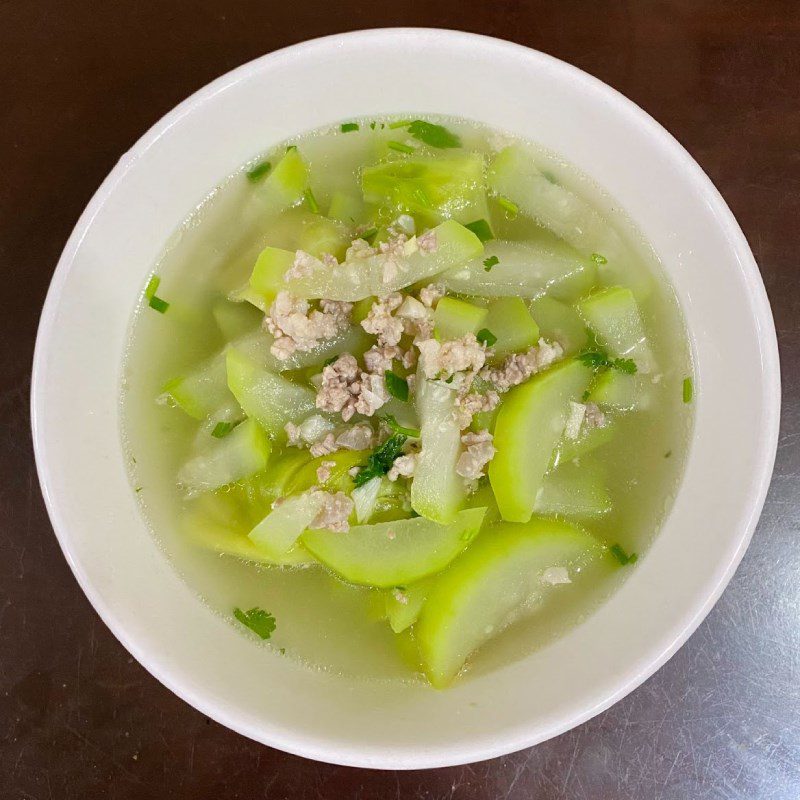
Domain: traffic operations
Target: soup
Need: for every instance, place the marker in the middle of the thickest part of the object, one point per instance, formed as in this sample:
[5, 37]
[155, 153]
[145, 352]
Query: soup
[406, 398]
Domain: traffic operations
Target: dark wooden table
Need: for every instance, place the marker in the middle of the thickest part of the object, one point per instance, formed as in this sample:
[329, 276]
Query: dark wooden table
[78, 717]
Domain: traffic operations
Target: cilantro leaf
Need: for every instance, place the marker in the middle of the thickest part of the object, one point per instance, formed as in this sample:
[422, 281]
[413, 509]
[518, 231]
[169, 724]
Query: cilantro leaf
[261, 622]
[490, 262]
[433, 135]
[381, 459]
[396, 386]
[412, 433]
[627, 365]
[594, 359]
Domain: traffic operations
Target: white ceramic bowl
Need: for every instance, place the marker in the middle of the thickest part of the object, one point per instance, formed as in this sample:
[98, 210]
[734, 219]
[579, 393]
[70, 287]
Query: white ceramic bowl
[75, 402]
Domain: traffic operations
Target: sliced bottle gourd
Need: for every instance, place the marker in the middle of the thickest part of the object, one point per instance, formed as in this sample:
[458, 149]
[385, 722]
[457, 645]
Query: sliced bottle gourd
[280, 529]
[574, 490]
[404, 603]
[339, 465]
[243, 452]
[528, 427]
[620, 391]
[614, 318]
[559, 322]
[285, 184]
[390, 554]
[514, 175]
[362, 277]
[218, 523]
[235, 319]
[455, 318]
[526, 270]
[265, 396]
[266, 279]
[322, 235]
[512, 325]
[489, 584]
[589, 440]
[348, 208]
[437, 491]
[429, 189]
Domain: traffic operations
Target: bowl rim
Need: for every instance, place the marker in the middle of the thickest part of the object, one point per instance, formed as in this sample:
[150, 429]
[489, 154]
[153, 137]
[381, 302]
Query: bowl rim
[672, 640]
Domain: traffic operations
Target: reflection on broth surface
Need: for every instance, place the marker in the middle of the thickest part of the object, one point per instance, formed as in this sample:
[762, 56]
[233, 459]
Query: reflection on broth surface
[412, 387]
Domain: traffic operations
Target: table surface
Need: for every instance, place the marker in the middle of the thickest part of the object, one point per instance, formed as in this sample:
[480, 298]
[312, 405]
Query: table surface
[78, 717]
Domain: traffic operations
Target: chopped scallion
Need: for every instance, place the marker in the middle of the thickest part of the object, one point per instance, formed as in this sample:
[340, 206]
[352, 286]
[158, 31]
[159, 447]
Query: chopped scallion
[222, 429]
[311, 201]
[400, 147]
[621, 556]
[481, 229]
[396, 386]
[157, 304]
[255, 174]
[152, 287]
[369, 234]
[349, 126]
[291, 147]
[485, 336]
[400, 123]
[511, 208]
[433, 135]
[688, 390]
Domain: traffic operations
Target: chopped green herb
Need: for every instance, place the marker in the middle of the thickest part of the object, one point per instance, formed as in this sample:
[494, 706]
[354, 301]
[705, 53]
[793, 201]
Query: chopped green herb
[594, 359]
[396, 386]
[490, 262]
[282, 651]
[372, 125]
[548, 176]
[328, 361]
[511, 208]
[597, 359]
[621, 556]
[152, 287]
[668, 454]
[598, 259]
[400, 123]
[159, 305]
[381, 459]
[400, 147]
[688, 390]
[291, 147]
[585, 396]
[138, 489]
[369, 234]
[261, 622]
[485, 336]
[222, 429]
[349, 126]
[255, 174]
[412, 433]
[481, 229]
[311, 201]
[433, 135]
[450, 379]
[627, 365]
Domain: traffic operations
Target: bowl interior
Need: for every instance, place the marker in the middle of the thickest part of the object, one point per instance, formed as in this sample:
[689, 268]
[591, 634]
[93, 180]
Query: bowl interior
[83, 336]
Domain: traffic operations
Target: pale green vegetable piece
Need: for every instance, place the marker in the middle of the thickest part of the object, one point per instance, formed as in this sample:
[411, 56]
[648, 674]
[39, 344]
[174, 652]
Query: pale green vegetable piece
[499, 576]
[510, 321]
[202, 390]
[347, 208]
[394, 553]
[266, 279]
[430, 189]
[590, 439]
[282, 526]
[363, 277]
[514, 175]
[235, 319]
[527, 270]
[211, 534]
[437, 492]
[243, 452]
[404, 603]
[613, 315]
[574, 490]
[265, 396]
[339, 478]
[620, 390]
[529, 424]
[284, 186]
[455, 318]
[560, 323]
[322, 235]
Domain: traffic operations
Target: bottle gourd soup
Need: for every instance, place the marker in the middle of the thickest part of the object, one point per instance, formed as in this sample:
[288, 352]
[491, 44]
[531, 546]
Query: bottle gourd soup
[406, 398]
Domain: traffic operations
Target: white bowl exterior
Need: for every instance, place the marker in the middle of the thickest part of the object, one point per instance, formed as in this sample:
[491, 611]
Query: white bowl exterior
[75, 403]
